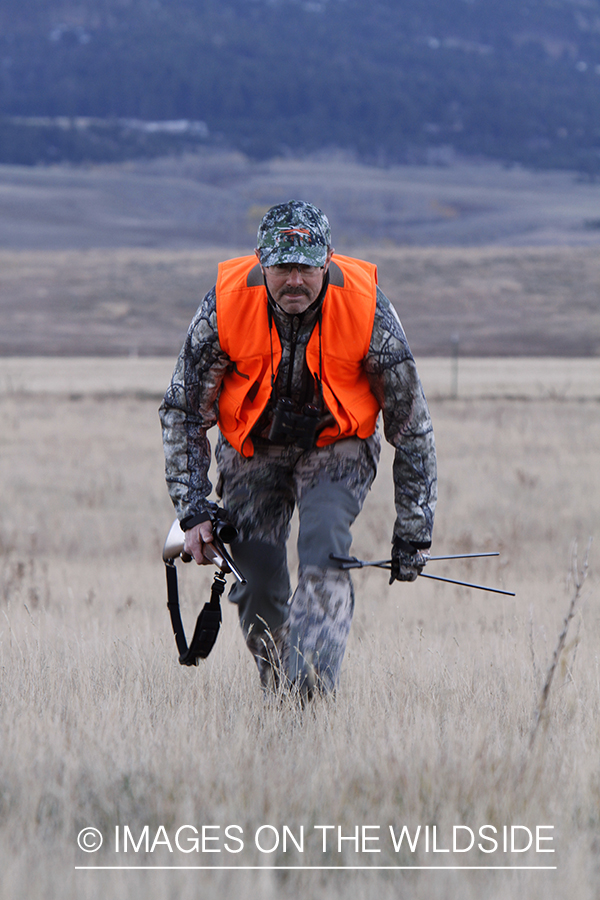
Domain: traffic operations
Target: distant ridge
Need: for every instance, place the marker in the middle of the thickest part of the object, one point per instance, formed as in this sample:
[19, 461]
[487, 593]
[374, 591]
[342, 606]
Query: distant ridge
[389, 80]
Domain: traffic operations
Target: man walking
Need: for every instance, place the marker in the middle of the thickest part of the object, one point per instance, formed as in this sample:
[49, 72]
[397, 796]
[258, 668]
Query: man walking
[293, 354]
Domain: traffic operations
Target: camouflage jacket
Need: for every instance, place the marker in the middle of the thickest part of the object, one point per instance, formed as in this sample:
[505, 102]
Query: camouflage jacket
[190, 408]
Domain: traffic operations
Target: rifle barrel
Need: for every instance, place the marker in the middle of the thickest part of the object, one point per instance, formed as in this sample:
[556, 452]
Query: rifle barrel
[222, 552]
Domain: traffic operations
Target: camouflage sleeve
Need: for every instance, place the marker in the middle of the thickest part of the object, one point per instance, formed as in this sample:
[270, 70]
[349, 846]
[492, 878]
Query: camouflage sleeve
[407, 425]
[190, 408]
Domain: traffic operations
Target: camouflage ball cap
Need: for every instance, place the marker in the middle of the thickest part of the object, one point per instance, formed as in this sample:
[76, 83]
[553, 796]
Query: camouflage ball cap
[294, 232]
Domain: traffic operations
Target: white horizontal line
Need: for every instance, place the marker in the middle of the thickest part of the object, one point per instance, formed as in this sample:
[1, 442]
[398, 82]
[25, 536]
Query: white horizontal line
[318, 868]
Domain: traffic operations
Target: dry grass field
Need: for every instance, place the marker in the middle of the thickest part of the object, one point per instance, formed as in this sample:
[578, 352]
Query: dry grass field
[433, 720]
[113, 260]
[497, 301]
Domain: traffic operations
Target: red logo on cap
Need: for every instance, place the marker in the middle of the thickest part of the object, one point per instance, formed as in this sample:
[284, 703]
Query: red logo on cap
[299, 231]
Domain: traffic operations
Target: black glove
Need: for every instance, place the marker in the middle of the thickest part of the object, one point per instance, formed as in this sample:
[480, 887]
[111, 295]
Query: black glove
[407, 563]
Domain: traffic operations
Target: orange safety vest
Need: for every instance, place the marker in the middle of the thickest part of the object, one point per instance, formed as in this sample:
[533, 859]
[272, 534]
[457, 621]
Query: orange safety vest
[347, 323]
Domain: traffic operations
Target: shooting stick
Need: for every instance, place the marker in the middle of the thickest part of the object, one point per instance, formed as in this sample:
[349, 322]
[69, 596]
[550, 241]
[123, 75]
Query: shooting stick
[351, 562]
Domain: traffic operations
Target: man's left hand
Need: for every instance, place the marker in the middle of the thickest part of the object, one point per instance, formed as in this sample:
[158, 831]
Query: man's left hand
[407, 563]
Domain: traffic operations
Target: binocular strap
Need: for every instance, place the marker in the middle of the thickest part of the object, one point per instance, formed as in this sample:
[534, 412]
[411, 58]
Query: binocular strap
[207, 625]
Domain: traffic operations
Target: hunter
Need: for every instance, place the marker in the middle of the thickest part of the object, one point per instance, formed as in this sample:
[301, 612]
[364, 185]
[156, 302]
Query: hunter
[293, 355]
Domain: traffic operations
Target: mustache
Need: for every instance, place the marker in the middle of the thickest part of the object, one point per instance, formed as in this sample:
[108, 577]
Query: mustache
[296, 291]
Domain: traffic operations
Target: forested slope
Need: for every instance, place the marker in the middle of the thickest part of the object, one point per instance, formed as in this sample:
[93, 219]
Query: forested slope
[389, 80]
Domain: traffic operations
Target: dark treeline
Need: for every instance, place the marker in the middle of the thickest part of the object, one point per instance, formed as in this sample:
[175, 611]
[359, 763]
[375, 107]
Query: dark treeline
[390, 80]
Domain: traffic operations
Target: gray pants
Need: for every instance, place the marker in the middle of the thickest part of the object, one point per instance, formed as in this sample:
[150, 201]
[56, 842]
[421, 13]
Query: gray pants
[303, 638]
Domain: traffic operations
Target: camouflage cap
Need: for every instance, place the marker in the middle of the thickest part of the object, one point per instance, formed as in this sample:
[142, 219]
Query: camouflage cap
[294, 232]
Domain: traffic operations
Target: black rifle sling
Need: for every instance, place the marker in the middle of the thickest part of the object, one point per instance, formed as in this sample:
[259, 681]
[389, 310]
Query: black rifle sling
[173, 607]
[207, 625]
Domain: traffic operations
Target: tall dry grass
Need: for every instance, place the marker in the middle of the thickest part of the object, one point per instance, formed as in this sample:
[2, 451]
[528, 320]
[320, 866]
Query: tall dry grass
[438, 697]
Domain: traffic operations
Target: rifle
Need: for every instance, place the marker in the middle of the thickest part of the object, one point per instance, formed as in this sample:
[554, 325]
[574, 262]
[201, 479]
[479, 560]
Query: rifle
[209, 620]
[351, 562]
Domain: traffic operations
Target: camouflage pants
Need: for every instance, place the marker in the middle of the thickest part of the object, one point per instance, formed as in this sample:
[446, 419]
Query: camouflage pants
[302, 638]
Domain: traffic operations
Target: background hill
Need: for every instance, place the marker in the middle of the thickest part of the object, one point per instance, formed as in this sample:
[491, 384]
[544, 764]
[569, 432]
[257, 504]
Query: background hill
[113, 260]
[388, 80]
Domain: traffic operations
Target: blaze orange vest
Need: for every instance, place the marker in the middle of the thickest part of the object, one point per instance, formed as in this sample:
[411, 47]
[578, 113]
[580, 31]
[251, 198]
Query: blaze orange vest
[347, 322]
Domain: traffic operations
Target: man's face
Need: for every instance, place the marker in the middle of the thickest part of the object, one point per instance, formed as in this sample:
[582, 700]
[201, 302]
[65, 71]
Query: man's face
[294, 287]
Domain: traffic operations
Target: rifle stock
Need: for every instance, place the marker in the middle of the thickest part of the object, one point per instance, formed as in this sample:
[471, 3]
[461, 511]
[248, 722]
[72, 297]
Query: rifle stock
[214, 550]
[209, 620]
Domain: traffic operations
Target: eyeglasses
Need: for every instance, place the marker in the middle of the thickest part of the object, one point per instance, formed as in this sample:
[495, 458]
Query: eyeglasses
[287, 268]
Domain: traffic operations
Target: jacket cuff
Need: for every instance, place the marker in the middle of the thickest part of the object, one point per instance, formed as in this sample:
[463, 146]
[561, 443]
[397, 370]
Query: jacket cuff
[409, 546]
[194, 519]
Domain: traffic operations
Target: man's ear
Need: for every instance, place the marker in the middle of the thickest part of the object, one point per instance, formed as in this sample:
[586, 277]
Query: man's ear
[330, 253]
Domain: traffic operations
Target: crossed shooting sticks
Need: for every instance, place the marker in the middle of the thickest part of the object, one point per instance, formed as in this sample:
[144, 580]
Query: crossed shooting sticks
[351, 562]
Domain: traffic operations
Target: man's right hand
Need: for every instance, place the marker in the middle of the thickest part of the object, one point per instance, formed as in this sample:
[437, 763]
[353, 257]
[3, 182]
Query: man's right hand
[194, 542]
